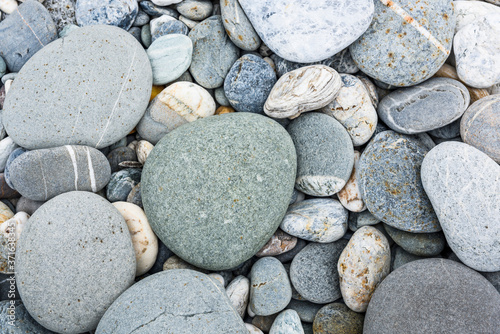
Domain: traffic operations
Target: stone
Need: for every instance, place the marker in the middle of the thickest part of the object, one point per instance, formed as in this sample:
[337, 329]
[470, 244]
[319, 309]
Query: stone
[314, 274]
[27, 205]
[219, 193]
[121, 183]
[402, 257]
[238, 292]
[479, 126]
[24, 32]
[288, 256]
[188, 22]
[287, 322]
[252, 329]
[178, 104]
[350, 195]
[10, 230]
[305, 89]
[319, 30]
[165, 2]
[407, 41]
[134, 195]
[167, 25]
[413, 110]
[463, 185]
[174, 263]
[419, 291]
[120, 13]
[61, 11]
[493, 278]
[248, 84]
[279, 243]
[143, 149]
[338, 318]
[170, 57]
[363, 264]
[449, 131]
[370, 88]
[221, 98]
[469, 11]
[83, 66]
[15, 154]
[213, 52]
[305, 310]
[3, 67]
[7, 146]
[67, 29]
[73, 232]
[322, 220]
[325, 155]
[264, 323]
[197, 10]
[141, 19]
[270, 289]
[146, 37]
[224, 110]
[7, 6]
[23, 322]
[151, 9]
[182, 300]
[364, 218]
[476, 46]
[389, 179]
[119, 155]
[421, 244]
[136, 33]
[238, 27]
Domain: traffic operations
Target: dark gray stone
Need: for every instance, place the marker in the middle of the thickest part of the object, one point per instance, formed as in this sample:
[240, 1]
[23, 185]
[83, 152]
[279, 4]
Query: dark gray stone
[61, 11]
[288, 256]
[27, 205]
[118, 155]
[401, 257]
[195, 9]
[16, 153]
[14, 319]
[306, 310]
[120, 13]
[166, 25]
[136, 32]
[135, 195]
[121, 184]
[359, 219]
[151, 9]
[339, 319]
[421, 244]
[449, 131]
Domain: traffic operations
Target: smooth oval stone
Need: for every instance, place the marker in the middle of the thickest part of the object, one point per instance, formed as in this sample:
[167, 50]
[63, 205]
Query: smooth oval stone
[304, 89]
[170, 57]
[419, 291]
[134, 195]
[141, 19]
[476, 47]
[219, 193]
[100, 99]
[195, 9]
[165, 25]
[413, 110]
[325, 155]
[480, 126]
[146, 37]
[24, 32]
[238, 27]
[182, 300]
[350, 195]
[151, 9]
[73, 233]
[14, 319]
[43, 174]
[320, 220]
[339, 319]
[421, 244]
[407, 41]
[279, 243]
[220, 97]
[402, 257]
[120, 13]
[29, 206]
[353, 108]
[238, 292]
[121, 183]
[248, 84]
[119, 155]
[463, 185]
[10, 230]
[287, 322]
[319, 30]
[313, 272]
[389, 179]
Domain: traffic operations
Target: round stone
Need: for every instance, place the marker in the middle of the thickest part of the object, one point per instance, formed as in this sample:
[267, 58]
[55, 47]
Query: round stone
[120, 13]
[195, 9]
[339, 319]
[218, 194]
[121, 184]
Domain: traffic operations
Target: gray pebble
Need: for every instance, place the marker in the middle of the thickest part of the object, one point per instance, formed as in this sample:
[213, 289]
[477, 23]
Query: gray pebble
[61, 11]
[27, 205]
[118, 155]
[120, 13]
[121, 184]
[238, 27]
[195, 9]
[421, 244]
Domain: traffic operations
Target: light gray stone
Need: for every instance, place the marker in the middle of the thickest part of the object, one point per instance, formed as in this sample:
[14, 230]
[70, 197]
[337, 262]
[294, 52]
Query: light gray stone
[238, 27]
[195, 9]
[287, 322]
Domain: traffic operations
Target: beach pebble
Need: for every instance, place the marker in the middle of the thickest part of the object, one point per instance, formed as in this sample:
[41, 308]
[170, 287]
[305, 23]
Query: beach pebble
[7, 146]
[14, 155]
[15, 319]
[363, 264]
[165, 2]
[166, 25]
[350, 195]
[188, 22]
[279, 243]
[288, 256]
[119, 155]
[146, 37]
[27, 205]
[402, 257]
[449, 131]
[195, 9]
[141, 19]
[339, 319]
[306, 310]
[238, 292]
[238, 27]
[7, 6]
[120, 13]
[121, 183]
[143, 149]
[174, 263]
[287, 322]
[134, 195]
[469, 11]
[61, 11]
[67, 29]
[10, 230]
[421, 244]
[151, 9]
[252, 329]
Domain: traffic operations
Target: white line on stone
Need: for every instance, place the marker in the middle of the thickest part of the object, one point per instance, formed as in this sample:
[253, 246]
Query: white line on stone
[75, 166]
[22, 18]
[91, 171]
[43, 174]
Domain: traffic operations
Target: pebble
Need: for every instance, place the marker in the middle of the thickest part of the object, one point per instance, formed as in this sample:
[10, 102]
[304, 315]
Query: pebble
[339, 319]
[136, 33]
[288, 256]
[73, 233]
[469, 11]
[407, 42]
[319, 28]
[16, 153]
[170, 57]
[67, 29]
[134, 195]
[143, 149]
[279, 243]
[248, 83]
[151, 9]
[449, 131]
[353, 108]
[287, 322]
[363, 264]
[165, 2]
[421, 244]
[264, 323]
[121, 183]
[118, 68]
[119, 155]
[174, 263]
[306, 310]
[23, 322]
[413, 110]
[166, 25]
[195, 9]
[61, 11]
[410, 297]
[146, 37]
[463, 185]
[270, 289]
[184, 300]
[325, 155]
[365, 218]
[479, 126]
[120, 13]
[402, 257]
[238, 292]
[3, 67]
[350, 195]
[305, 89]
[7, 146]
[370, 88]
[10, 230]
[238, 27]
[213, 52]
[7, 6]
[189, 23]
[27, 205]
[252, 329]
[313, 272]
[141, 19]
[389, 179]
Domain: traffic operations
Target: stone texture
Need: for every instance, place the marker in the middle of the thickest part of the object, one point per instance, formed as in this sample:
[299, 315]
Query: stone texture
[238, 292]
[279, 243]
[195, 9]
[167, 25]
[120, 13]
[29, 206]
[339, 319]
[469, 11]
[141, 19]
[449, 131]
[121, 184]
[14, 312]
[61, 11]
[238, 27]
[151, 9]
[119, 155]
[7, 146]
[350, 195]
[287, 322]
[421, 244]
[401, 257]
[365, 218]
[306, 310]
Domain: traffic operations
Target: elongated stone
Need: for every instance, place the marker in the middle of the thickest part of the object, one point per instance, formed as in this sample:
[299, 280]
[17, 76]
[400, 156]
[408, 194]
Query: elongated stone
[238, 292]
[350, 195]
[238, 27]
[421, 244]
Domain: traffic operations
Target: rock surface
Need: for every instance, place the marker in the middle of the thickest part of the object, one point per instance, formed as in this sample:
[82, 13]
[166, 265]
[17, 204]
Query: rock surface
[238, 27]
[120, 13]
[339, 319]
[350, 195]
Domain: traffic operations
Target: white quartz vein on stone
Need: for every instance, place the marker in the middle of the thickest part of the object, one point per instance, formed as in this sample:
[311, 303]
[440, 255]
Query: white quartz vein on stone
[75, 165]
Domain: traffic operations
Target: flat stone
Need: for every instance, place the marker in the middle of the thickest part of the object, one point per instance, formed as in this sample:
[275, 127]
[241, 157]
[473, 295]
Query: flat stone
[220, 193]
[421, 244]
[339, 319]
[166, 25]
[170, 57]
[350, 195]
[74, 232]
[279, 243]
[14, 312]
[467, 204]
[115, 74]
[325, 155]
[120, 13]
[146, 37]
[195, 9]
[61, 11]
[407, 41]
[389, 179]
[121, 184]
[238, 27]
[313, 272]
[413, 110]
[319, 30]
[238, 292]
[287, 322]
[410, 297]
[479, 126]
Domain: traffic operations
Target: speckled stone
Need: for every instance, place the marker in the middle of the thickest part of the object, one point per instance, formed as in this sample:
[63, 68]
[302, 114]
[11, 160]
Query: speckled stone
[251, 186]
[413, 110]
[73, 233]
[313, 271]
[213, 53]
[119, 69]
[461, 301]
[279, 243]
[339, 319]
[389, 179]
[195, 9]
[252, 329]
[370, 88]
[421, 244]
[407, 41]
[248, 84]
[402, 257]
[353, 108]
[120, 13]
[166, 25]
[325, 155]
[350, 195]
[463, 185]
[121, 183]
[24, 32]
[287, 322]
[238, 27]
[61, 11]
[14, 319]
[319, 28]
[174, 263]
[363, 264]
[480, 126]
